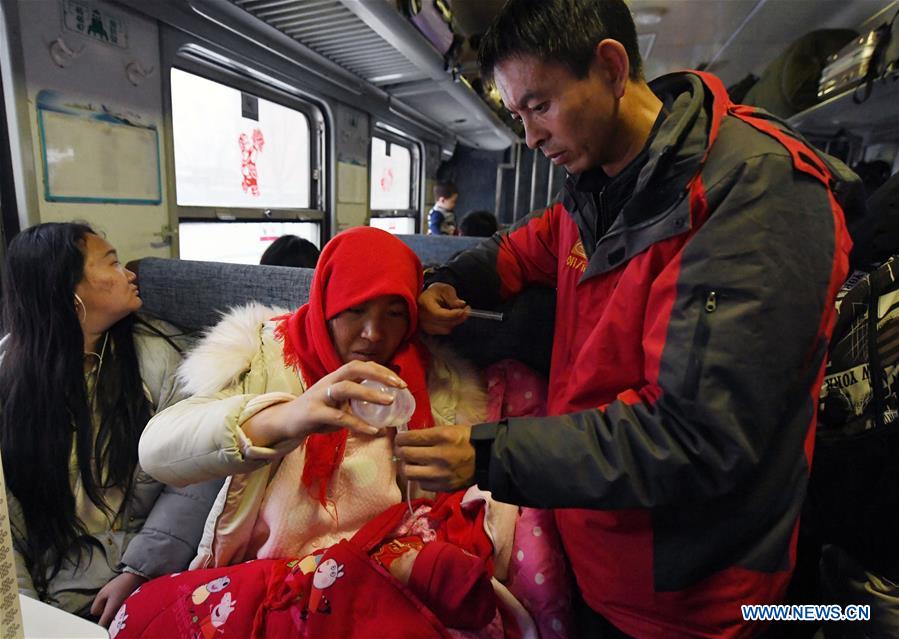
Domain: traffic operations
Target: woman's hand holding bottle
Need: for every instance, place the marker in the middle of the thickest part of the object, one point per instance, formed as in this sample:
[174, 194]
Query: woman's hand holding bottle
[323, 407]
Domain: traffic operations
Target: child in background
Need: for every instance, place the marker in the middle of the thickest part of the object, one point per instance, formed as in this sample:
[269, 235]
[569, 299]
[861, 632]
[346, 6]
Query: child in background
[441, 219]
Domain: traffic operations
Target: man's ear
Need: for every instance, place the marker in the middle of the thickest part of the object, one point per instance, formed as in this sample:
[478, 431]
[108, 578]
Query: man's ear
[610, 58]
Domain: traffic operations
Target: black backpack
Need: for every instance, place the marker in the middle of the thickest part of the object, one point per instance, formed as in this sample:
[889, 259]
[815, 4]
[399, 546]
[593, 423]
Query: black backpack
[853, 498]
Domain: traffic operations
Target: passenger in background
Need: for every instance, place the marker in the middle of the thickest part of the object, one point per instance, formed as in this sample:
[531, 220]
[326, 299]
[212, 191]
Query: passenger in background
[290, 250]
[81, 375]
[873, 174]
[696, 253]
[478, 224]
[441, 219]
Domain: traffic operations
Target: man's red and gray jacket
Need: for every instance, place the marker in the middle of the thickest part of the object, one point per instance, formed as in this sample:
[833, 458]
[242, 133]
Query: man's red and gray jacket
[689, 348]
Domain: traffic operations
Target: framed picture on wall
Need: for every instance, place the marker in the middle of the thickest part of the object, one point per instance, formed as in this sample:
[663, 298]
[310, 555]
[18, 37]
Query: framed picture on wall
[96, 156]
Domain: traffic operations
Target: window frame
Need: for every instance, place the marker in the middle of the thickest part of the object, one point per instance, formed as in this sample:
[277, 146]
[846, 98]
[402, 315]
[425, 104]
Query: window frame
[231, 73]
[392, 135]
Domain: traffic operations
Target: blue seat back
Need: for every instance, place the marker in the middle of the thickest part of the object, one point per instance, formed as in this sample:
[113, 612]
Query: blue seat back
[434, 250]
[194, 295]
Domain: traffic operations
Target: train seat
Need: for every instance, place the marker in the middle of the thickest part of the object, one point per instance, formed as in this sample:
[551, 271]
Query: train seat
[193, 295]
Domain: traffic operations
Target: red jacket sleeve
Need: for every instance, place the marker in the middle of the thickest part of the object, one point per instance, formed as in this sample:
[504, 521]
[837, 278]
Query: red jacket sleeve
[506, 263]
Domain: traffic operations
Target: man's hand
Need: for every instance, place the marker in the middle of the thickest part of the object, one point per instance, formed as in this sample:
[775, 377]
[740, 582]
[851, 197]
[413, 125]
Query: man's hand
[439, 459]
[440, 310]
[113, 594]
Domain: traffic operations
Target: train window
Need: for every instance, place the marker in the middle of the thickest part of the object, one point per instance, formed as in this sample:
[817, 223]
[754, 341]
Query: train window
[234, 149]
[238, 242]
[391, 176]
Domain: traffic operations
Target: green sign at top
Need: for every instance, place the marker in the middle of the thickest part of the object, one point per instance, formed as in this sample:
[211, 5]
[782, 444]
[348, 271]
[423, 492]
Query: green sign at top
[92, 22]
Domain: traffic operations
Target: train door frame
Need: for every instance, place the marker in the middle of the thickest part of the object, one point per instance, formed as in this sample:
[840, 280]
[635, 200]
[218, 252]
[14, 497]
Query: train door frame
[19, 186]
[9, 220]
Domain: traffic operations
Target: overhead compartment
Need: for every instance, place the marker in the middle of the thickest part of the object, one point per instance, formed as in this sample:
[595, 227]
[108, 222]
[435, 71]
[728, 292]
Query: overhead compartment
[383, 51]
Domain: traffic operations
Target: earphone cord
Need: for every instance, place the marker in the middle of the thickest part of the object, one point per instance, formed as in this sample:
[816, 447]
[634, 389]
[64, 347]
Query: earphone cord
[401, 428]
[99, 357]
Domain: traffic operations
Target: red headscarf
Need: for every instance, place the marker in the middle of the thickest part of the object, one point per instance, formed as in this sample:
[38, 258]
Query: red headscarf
[355, 266]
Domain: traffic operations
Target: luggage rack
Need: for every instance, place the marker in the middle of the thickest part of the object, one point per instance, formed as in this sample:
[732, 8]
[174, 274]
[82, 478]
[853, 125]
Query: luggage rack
[878, 114]
[387, 54]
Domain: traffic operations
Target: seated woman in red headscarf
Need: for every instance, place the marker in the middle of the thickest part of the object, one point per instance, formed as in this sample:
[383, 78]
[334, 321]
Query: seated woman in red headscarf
[312, 485]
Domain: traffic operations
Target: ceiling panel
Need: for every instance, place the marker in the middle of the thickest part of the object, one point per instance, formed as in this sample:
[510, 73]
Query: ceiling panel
[374, 42]
[743, 36]
[329, 28]
[692, 32]
[736, 36]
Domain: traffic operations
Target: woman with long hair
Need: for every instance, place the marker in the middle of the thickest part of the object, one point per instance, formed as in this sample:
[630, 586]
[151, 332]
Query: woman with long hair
[80, 377]
[272, 411]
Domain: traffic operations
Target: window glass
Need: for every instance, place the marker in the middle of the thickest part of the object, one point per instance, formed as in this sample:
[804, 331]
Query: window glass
[391, 176]
[238, 242]
[233, 149]
[396, 225]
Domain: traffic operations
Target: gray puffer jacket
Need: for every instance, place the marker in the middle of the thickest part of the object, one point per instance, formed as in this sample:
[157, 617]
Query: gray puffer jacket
[160, 526]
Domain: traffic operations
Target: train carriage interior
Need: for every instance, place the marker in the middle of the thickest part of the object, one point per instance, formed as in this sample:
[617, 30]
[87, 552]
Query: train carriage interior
[193, 134]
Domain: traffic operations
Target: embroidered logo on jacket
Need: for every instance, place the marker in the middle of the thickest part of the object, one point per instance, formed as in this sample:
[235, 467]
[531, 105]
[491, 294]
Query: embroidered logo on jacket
[577, 257]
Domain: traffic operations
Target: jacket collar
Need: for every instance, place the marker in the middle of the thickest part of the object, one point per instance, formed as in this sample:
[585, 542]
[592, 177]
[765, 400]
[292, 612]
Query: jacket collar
[675, 157]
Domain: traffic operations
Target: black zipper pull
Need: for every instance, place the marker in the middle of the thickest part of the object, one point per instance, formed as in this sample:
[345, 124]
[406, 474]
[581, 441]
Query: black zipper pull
[711, 302]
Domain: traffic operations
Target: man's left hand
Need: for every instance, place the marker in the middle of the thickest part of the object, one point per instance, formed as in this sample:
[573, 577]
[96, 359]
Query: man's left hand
[439, 459]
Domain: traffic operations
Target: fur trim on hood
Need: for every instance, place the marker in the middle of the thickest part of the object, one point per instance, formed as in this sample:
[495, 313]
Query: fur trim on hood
[226, 350]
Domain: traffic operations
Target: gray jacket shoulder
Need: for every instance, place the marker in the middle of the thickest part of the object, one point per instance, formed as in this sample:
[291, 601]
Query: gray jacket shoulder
[160, 348]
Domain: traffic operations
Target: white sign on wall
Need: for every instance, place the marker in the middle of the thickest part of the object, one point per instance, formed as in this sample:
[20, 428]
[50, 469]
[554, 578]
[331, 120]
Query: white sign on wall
[96, 156]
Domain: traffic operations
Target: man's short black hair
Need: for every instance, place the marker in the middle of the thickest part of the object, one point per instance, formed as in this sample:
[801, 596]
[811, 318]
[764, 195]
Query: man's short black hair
[563, 31]
[290, 250]
[478, 224]
[444, 188]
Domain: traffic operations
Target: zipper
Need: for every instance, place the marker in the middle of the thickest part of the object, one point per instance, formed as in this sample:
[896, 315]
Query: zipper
[601, 214]
[696, 358]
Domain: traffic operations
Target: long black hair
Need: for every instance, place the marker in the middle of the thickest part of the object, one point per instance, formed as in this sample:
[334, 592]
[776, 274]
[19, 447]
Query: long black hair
[44, 405]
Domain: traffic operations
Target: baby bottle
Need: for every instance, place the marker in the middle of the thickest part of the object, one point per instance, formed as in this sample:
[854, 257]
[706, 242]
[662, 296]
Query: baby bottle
[395, 415]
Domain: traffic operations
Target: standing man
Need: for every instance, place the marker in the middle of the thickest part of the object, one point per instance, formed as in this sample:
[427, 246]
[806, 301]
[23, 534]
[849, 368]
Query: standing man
[695, 253]
[442, 219]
